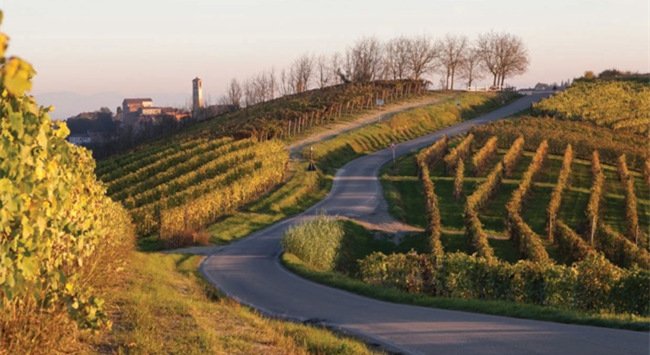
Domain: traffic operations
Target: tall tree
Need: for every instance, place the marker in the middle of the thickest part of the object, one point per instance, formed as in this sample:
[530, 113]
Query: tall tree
[503, 54]
[472, 68]
[234, 93]
[364, 59]
[452, 54]
[396, 61]
[301, 73]
[422, 53]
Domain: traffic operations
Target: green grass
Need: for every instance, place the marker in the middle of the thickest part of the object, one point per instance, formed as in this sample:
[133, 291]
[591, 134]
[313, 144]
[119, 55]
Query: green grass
[502, 308]
[357, 243]
[164, 306]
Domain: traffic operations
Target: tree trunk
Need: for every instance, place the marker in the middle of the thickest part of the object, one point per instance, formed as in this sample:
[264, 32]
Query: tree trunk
[453, 72]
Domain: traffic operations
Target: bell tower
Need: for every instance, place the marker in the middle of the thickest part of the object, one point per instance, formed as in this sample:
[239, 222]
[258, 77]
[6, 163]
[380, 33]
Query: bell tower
[197, 95]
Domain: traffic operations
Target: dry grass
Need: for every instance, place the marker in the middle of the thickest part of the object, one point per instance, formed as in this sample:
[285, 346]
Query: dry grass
[164, 307]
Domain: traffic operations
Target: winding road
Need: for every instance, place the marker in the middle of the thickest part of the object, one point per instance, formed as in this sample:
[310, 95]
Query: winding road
[250, 272]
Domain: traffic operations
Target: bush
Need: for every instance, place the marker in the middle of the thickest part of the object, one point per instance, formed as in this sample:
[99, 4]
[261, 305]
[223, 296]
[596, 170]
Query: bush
[316, 242]
[595, 280]
[61, 238]
[592, 285]
[632, 292]
[186, 238]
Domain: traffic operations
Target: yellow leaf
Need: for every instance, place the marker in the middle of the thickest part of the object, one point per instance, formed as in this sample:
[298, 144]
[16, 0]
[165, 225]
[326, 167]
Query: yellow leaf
[4, 42]
[17, 76]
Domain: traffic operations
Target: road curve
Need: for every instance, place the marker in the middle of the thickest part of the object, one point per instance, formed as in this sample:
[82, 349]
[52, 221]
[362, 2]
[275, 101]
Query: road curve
[250, 272]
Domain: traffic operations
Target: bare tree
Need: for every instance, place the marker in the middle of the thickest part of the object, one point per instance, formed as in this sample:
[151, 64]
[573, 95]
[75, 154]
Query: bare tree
[324, 72]
[233, 94]
[250, 94]
[472, 68]
[363, 60]
[503, 54]
[335, 65]
[265, 85]
[285, 86]
[452, 50]
[422, 53]
[300, 74]
[397, 58]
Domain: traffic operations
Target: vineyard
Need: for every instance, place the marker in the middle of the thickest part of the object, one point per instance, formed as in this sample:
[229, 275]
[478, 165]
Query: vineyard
[180, 188]
[620, 105]
[291, 115]
[526, 194]
[526, 202]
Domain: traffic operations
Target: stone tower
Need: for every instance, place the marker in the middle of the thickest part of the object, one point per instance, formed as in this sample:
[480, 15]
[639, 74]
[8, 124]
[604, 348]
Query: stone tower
[197, 96]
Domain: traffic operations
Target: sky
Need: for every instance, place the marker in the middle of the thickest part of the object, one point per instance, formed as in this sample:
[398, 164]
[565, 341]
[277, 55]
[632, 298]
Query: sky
[92, 53]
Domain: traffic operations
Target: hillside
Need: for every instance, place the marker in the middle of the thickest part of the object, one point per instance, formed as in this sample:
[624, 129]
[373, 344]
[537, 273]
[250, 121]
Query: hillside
[453, 189]
[619, 104]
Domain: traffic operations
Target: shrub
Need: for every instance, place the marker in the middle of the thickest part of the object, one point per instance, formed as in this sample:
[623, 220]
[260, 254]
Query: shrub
[632, 292]
[592, 285]
[188, 237]
[316, 242]
[595, 280]
[61, 237]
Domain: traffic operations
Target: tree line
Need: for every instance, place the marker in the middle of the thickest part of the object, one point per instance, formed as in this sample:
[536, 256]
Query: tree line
[497, 55]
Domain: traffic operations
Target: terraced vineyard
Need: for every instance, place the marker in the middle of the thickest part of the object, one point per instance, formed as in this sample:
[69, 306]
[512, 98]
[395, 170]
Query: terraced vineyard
[621, 105]
[183, 185]
[540, 200]
[291, 115]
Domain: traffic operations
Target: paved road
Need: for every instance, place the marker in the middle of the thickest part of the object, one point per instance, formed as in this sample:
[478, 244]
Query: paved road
[249, 271]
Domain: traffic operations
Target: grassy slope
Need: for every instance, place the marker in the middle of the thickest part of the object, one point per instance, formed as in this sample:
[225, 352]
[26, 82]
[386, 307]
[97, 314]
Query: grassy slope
[165, 307]
[172, 293]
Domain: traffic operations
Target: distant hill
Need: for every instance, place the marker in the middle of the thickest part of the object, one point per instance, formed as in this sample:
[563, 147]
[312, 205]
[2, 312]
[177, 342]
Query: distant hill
[618, 104]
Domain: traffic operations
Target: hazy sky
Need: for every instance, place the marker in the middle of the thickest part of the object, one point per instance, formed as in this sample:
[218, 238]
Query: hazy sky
[111, 49]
